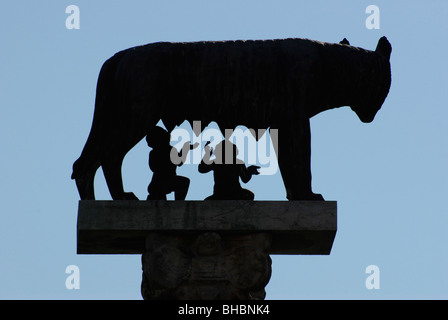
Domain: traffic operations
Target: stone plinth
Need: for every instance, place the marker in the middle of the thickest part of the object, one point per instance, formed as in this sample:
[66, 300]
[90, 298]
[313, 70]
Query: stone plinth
[121, 227]
[206, 249]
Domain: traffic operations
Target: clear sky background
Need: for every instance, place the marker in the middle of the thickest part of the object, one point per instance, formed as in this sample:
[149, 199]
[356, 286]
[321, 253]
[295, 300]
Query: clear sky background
[389, 177]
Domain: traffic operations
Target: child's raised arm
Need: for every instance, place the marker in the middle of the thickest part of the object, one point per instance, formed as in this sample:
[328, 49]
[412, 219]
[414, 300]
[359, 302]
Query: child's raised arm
[206, 165]
[246, 173]
[184, 152]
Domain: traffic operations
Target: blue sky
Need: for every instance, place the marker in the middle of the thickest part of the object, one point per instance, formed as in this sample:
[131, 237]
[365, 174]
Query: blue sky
[389, 177]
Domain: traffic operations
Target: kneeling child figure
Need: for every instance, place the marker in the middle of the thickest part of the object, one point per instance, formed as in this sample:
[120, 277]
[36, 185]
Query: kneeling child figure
[227, 170]
[164, 179]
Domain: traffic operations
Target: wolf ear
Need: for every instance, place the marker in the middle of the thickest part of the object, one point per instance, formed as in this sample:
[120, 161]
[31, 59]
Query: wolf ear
[345, 41]
[384, 48]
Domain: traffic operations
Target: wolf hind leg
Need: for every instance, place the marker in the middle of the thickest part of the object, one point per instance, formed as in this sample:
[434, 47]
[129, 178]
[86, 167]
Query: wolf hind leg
[113, 160]
[84, 170]
[85, 185]
[112, 173]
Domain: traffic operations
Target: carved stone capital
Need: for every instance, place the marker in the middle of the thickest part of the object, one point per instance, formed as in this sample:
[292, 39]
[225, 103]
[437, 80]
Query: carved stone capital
[206, 266]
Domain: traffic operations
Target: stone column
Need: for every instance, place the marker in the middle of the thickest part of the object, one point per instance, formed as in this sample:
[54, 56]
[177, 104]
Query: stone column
[206, 266]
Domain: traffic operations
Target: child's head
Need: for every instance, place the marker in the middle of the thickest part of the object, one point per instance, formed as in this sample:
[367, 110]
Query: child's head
[157, 136]
[226, 152]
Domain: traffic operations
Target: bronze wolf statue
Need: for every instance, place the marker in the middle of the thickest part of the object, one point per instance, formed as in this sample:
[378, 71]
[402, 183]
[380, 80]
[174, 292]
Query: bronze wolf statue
[260, 84]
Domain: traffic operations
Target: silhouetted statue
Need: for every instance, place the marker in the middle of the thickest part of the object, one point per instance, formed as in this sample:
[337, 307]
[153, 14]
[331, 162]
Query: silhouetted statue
[227, 171]
[163, 161]
[260, 84]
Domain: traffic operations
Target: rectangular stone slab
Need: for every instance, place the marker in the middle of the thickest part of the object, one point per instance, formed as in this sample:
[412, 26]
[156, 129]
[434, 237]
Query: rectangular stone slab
[120, 227]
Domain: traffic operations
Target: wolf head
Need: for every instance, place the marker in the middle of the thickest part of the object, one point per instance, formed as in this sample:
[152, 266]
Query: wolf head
[375, 87]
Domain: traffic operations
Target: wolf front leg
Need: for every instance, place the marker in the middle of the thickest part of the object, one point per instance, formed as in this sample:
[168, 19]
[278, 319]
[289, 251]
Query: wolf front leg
[294, 159]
